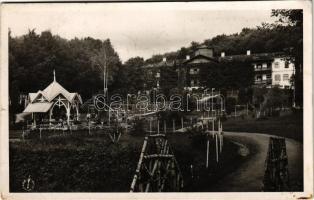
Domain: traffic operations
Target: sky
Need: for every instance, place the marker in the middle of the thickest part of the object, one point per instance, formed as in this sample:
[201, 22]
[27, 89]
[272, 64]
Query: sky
[135, 29]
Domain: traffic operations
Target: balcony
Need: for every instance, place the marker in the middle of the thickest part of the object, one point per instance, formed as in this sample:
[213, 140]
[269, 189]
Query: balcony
[260, 81]
[262, 69]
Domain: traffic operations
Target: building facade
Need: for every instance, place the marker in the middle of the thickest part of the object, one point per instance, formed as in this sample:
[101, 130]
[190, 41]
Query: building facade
[270, 69]
[282, 73]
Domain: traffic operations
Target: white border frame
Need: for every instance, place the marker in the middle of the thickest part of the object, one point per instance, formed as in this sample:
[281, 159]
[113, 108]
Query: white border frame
[307, 122]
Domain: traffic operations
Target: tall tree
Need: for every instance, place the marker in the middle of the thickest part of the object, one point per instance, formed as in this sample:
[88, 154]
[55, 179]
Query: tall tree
[291, 21]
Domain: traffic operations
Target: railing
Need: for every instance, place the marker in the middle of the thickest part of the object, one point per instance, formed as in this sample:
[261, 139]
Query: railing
[262, 69]
[268, 81]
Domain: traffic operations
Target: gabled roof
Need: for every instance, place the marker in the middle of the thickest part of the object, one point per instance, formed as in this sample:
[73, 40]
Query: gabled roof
[52, 91]
[38, 107]
[32, 96]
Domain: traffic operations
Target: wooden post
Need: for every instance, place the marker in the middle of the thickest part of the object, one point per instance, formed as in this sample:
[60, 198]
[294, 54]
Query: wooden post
[216, 136]
[182, 123]
[173, 125]
[89, 127]
[150, 127]
[109, 117]
[213, 128]
[23, 134]
[40, 132]
[207, 152]
[158, 126]
[165, 127]
[235, 111]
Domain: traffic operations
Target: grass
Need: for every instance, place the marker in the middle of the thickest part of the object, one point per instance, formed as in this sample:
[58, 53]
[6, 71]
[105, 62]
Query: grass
[84, 163]
[290, 126]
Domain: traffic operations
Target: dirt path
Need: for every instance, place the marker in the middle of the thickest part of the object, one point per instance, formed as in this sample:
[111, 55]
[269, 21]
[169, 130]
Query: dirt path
[249, 176]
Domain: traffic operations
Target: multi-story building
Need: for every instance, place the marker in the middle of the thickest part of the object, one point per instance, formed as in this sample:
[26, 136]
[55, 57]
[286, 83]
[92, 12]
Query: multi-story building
[198, 65]
[270, 69]
[282, 72]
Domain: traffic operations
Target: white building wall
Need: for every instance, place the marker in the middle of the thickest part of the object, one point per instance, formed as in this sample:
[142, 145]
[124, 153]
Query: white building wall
[282, 72]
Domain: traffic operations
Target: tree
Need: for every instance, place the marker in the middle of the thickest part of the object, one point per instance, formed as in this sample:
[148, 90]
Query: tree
[33, 57]
[292, 22]
[135, 75]
[168, 79]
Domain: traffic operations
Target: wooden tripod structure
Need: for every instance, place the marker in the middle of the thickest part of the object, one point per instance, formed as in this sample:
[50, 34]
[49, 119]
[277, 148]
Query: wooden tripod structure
[157, 169]
[276, 177]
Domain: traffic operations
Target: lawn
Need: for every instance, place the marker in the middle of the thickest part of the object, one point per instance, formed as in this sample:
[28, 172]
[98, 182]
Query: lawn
[84, 163]
[290, 126]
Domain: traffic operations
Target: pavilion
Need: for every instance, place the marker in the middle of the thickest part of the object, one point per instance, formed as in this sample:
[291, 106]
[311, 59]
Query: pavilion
[52, 99]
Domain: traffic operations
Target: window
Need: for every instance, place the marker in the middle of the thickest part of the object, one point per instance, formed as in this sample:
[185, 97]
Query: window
[277, 77]
[285, 77]
[192, 83]
[276, 64]
[258, 78]
[268, 76]
[264, 65]
[194, 71]
[287, 64]
[264, 77]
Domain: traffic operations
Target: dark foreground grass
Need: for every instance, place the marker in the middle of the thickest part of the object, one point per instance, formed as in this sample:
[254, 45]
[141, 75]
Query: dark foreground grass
[83, 163]
[290, 126]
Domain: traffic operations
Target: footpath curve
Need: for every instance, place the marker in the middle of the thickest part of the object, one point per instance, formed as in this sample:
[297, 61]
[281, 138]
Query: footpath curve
[248, 177]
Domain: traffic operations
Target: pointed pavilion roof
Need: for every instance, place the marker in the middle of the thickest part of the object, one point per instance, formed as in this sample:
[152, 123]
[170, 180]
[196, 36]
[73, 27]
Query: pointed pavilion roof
[53, 90]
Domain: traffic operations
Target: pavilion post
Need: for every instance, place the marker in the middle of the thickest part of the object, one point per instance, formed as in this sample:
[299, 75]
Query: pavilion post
[50, 116]
[77, 113]
[68, 113]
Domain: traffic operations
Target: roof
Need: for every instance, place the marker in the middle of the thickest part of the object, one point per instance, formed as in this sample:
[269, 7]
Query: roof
[32, 96]
[38, 107]
[203, 46]
[22, 117]
[252, 57]
[159, 64]
[201, 56]
[52, 91]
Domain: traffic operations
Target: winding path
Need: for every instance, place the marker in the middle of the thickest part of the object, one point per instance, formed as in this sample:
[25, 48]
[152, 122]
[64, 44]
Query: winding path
[248, 176]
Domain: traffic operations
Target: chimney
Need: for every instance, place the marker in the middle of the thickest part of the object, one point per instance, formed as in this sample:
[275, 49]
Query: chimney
[187, 57]
[248, 52]
[164, 59]
[222, 54]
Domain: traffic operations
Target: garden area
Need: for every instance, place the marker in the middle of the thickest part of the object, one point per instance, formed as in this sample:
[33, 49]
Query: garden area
[93, 163]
